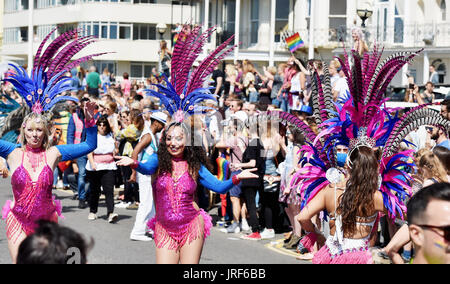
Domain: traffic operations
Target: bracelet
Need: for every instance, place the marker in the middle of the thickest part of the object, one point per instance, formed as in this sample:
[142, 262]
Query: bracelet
[134, 165]
[90, 123]
[235, 180]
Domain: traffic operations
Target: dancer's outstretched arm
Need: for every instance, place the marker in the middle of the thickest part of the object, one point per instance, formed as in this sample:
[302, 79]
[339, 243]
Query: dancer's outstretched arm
[147, 167]
[6, 148]
[209, 181]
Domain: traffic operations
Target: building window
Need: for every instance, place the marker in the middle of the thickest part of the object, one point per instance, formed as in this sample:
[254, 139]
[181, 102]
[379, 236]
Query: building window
[113, 30]
[338, 20]
[42, 31]
[106, 30]
[10, 35]
[281, 18]
[230, 16]
[398, 24]
[23, 34]
[15, 5]
[141, 70]
[254, 21]
[144, 32]
[443, 7]
[102, 64]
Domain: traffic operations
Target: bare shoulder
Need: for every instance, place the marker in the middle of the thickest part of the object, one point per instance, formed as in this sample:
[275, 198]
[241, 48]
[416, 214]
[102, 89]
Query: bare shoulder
[378, 200]
[16, 154]
[53, 153]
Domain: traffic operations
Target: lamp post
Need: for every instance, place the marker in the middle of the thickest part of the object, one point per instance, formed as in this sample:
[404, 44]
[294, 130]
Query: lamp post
[364, 14]
[161, 27]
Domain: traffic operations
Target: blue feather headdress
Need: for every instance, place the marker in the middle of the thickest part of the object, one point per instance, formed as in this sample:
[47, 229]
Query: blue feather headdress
[48, 80]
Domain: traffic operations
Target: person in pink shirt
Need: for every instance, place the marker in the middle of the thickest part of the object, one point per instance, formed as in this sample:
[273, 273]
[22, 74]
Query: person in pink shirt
[126, 85]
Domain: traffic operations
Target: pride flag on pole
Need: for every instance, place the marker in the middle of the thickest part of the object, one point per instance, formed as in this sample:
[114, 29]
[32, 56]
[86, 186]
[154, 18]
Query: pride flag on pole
[294, 42]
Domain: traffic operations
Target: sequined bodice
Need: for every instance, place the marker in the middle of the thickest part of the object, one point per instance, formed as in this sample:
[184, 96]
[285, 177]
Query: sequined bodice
[174, 195]
[32, 199]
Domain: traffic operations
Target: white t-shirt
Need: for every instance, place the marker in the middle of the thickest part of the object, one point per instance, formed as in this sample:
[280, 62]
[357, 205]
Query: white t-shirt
[341, 87]
[334, 79]
[105, 145]
[295, 84]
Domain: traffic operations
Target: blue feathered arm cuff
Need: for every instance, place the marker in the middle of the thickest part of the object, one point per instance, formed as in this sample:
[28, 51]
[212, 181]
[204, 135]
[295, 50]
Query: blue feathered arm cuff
[73, 151]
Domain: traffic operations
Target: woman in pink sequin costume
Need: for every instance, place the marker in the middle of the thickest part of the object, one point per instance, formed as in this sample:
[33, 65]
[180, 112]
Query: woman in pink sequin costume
[33, 161]
[32, 166]
[180, 227]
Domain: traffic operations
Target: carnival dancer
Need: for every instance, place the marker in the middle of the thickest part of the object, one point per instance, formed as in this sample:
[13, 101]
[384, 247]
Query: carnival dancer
[377, 179]
[180, 163]
[33, 161]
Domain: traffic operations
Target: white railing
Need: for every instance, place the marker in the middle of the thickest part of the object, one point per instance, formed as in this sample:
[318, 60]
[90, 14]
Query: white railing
[417, 35]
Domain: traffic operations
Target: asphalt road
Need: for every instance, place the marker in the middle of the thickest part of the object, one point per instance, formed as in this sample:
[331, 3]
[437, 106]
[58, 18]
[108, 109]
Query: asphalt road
[113, 246]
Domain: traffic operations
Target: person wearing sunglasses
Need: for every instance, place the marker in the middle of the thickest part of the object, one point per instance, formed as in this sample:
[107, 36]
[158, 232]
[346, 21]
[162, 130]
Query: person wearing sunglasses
[429, 224]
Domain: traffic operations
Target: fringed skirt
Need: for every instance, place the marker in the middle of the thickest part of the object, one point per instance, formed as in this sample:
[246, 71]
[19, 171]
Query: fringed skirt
[15, 225]
[199, 227]
[356, 256]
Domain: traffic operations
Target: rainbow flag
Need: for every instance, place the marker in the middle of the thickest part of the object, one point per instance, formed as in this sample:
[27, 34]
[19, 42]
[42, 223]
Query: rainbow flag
[223, 169]
[294, 42]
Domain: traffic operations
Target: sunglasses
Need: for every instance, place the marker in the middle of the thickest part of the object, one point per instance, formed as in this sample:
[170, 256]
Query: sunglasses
[445, 229]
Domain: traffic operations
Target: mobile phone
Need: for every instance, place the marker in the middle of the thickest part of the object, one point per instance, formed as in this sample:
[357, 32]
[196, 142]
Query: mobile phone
[411, 86]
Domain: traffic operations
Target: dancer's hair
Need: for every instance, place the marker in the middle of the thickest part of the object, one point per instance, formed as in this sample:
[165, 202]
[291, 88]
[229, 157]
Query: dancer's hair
[357, 199]
[39, 119]
[194, 154]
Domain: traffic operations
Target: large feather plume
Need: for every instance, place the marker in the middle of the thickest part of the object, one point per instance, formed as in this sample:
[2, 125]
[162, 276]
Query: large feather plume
[185, 91]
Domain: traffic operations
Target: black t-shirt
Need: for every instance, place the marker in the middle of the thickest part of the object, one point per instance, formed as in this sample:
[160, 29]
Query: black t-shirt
[216, 74]
[254, 152]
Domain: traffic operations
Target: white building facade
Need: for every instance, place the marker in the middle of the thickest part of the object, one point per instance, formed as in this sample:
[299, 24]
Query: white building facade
[128, 28]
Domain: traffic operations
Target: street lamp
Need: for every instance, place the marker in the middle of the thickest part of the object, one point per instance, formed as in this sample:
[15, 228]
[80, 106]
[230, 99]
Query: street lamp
[161, 27]
[364, 15]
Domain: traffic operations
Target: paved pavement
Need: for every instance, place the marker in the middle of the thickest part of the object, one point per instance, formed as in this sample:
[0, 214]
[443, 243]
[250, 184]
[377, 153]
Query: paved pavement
[113, 246]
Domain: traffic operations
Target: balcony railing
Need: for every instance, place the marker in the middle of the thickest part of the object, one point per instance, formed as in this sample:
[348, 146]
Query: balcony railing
[417, 35]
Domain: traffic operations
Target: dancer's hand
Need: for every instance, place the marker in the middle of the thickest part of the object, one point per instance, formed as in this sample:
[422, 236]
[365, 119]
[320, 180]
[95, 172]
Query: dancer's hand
[89, 110]
[247, 174]
[4, 172]
[124, 161]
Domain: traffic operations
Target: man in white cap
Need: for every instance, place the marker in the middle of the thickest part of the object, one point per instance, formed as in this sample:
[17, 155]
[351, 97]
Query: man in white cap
[148, 144]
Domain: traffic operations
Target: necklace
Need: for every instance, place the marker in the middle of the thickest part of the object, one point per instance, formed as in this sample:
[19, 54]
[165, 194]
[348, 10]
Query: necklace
[35, 156]
[179, 169]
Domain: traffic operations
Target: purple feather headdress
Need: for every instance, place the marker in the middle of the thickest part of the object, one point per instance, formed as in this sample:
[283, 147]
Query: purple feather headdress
[180, 96]
[362, 119]
[40, 90]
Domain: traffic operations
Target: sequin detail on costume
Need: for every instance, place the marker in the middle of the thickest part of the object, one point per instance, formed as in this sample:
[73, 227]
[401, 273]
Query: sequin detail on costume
[33, 201]
[177, 221]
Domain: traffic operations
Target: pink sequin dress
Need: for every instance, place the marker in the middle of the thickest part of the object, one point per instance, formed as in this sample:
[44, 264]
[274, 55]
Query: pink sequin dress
[177, 221]
[33, 201]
